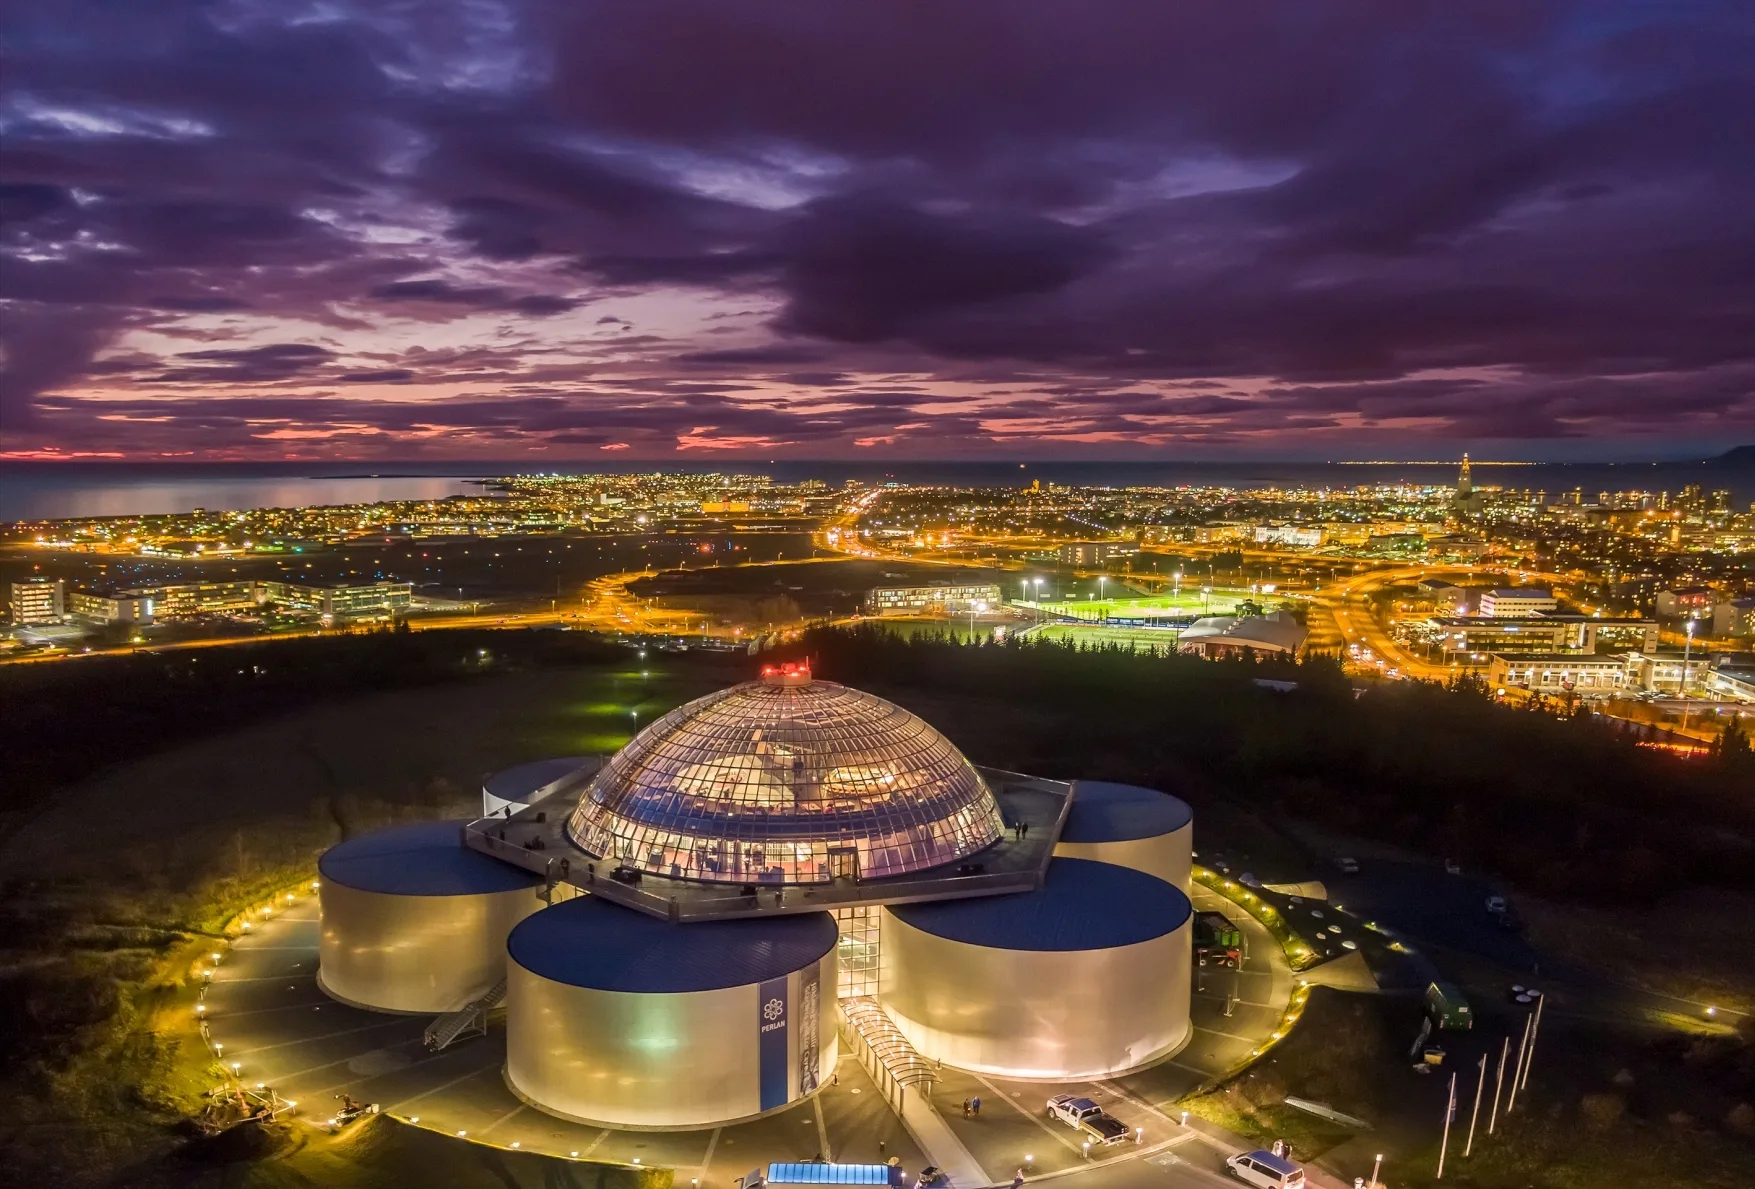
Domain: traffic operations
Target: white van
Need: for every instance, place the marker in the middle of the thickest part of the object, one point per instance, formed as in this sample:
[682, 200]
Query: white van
[1267, 1170]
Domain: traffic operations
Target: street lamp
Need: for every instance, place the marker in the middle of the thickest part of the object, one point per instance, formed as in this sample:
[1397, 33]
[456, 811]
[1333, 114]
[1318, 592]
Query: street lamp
[1687, 651]
[978, 606]
[1375, 1169]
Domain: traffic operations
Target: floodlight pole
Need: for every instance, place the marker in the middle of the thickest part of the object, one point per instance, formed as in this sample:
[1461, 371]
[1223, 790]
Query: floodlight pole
[1687, 651]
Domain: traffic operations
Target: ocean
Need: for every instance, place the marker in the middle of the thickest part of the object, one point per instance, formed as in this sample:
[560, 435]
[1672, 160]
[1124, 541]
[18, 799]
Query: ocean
[38, 491]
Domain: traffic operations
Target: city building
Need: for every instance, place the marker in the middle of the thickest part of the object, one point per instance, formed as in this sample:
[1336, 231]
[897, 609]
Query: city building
[1559, 672]
[116, 607]
[1095, 554]
[1290, 535]
[1729, 683]
[176, 600]
[1275, 634]
[1514, 602]
[1734, 617]
[1651, 671]
[1396, 543]
[1688, 602]
[931, 600]
[1538, 633]
[1467, 500]
[36, 600]
[337, 601]
[686, 935]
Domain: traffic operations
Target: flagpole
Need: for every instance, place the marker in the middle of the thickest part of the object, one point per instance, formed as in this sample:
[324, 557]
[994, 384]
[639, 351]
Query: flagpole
[1444, 1143]
[1475, 1115]
[1535, 1027]
[1517, 1070]
[1498, 1084]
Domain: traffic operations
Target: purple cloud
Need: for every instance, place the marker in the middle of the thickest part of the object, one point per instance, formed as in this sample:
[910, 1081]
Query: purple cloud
[1115, 227]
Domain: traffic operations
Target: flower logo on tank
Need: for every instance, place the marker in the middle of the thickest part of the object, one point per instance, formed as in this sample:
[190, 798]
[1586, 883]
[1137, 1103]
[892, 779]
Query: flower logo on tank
[773, 1009]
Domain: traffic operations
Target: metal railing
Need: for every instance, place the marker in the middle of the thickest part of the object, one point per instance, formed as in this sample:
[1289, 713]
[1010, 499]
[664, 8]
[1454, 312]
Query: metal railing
[468, 1020]
[534, 838]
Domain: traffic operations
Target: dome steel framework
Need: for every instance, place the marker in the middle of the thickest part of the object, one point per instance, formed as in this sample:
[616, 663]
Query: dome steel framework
[786, 780]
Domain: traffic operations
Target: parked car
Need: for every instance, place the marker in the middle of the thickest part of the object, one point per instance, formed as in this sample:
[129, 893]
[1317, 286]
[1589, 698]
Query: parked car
[1496, 904]
[1081, 1114]
[1347, 865]
[1266, 1170]
[1452, 867]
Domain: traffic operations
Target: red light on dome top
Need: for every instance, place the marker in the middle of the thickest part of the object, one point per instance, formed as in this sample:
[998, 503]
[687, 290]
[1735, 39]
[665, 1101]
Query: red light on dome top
[790, 673]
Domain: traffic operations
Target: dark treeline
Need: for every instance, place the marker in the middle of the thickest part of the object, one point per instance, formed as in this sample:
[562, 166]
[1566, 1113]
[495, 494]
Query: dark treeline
[63, 720]
[1560, 805]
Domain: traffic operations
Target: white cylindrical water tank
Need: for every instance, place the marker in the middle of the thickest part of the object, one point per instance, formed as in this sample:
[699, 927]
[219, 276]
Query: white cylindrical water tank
[413, 921]
[514, 789]
[1087, 976]
[617, 1018]
[1130, 826]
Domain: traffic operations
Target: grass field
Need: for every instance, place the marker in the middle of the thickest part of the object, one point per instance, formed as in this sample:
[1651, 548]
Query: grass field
[1138, 639]
[1160, 606]
[115, 882]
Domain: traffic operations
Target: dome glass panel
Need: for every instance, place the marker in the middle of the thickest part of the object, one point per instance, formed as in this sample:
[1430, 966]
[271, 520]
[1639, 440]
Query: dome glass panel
[786, 780]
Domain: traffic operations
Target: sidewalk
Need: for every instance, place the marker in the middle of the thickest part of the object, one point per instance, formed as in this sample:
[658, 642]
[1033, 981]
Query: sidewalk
[940, 1144]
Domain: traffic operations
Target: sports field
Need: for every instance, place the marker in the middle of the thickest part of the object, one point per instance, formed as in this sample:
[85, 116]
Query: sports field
[1159, 606]
[1138, 639]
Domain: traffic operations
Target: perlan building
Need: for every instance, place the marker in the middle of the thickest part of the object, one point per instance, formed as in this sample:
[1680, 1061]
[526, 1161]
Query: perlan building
[762, 872]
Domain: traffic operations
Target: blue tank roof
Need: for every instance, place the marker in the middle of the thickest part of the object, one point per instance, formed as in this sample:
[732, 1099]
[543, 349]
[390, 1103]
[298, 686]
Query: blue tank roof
[1082, 905]
[520, 783]
[425, 859]
[589, 942]
[1104, 812]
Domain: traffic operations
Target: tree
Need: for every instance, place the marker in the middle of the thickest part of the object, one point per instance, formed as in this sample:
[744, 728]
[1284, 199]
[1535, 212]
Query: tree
[1732, 747]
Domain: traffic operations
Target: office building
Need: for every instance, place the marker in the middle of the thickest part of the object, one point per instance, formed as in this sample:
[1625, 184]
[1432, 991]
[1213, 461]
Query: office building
[1095, 554]
[1560, 673]
[1734, 617]
[36, 600]
[931, 600]
[1517, 601]
[338, 602]
[112, 607]
[1292, 536]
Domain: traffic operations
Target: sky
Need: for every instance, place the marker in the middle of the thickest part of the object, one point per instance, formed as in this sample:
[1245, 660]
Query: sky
[319, 229]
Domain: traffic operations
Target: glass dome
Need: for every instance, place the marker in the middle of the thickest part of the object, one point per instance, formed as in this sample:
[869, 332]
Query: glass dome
[786, 780]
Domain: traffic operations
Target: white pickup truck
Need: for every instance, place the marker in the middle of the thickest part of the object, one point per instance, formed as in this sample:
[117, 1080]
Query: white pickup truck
[1081, 1114]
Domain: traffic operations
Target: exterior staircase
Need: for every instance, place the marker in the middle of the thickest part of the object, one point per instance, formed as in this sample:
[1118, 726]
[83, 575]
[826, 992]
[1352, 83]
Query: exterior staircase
[468, 1020]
